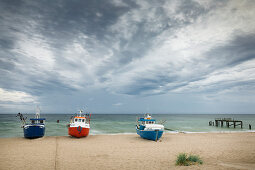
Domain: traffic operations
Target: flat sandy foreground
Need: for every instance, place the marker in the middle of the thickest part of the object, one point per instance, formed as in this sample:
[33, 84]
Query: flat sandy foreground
[217, 150]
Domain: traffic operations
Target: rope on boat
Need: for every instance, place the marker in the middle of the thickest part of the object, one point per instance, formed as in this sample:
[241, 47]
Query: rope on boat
[169, 129]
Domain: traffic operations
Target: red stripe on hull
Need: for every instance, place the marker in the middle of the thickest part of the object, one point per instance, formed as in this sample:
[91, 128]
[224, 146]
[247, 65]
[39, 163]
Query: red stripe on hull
[78, 132]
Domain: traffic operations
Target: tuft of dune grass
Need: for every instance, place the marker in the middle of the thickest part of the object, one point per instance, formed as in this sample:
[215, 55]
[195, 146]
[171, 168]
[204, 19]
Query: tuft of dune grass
[184, 160]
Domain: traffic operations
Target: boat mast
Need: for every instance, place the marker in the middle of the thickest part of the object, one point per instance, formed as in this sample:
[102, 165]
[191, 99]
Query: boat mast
[37, 114]
[80, 112]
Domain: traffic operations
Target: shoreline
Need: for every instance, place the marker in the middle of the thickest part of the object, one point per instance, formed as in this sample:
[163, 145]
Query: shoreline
[165, 132]
[129, 151]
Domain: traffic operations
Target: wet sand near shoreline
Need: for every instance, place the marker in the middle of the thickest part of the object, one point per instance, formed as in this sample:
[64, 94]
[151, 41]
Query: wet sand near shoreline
[217, 150]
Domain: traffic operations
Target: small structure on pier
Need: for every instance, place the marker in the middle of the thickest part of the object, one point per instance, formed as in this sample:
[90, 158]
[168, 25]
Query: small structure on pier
[228, 121]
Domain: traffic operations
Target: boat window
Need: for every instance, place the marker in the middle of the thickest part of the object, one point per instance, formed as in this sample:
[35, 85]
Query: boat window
[41, 121]
[33, 121]
[82, 120]
[75, 120]
[79, 120]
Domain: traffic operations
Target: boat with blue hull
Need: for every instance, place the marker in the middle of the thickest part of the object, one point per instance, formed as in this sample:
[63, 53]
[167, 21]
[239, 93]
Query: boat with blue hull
[148, 129]
[35, 129]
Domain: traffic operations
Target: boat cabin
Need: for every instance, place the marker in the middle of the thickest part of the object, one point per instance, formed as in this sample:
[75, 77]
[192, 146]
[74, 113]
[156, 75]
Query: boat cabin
[144, 121]
[78, 119]
[37, 121]
[147, 123]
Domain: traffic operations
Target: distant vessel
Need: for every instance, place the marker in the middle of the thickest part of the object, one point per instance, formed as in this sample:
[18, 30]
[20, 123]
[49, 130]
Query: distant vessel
[148, 129]
[79, 125]
[36, 128]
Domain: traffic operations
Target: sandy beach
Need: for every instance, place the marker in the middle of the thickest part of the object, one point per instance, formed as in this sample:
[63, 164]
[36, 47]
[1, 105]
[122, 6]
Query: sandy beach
[217, 150]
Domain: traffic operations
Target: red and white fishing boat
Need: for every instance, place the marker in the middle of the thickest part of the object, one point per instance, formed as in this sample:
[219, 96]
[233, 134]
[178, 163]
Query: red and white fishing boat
[79, 125]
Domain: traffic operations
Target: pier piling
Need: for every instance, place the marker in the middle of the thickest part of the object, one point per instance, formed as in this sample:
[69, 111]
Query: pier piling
[229, 122]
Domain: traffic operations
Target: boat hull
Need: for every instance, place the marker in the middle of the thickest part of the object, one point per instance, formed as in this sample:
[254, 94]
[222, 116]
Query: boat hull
[78, 132]
[34, 131]
[150, 134]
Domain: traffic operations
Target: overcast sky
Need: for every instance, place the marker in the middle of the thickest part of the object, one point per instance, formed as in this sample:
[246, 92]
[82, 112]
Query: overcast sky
[114, 56]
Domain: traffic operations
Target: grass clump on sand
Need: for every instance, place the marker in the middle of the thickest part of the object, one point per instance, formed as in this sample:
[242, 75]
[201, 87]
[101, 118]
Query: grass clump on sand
[184, 160]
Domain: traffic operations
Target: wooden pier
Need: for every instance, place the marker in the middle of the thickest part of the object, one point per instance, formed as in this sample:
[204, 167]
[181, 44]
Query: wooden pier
[228, 121]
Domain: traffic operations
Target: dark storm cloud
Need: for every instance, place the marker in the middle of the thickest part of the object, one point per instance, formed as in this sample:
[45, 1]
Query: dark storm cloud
[63, 19]
[60, 21]
[240, 49]
[48, 87]
[6, 43]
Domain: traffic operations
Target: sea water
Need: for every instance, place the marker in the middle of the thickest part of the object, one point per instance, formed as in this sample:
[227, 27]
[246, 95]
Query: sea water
[10, 125]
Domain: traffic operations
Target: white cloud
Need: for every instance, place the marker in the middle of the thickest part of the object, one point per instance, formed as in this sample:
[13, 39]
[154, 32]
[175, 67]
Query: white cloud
[234, 76]
[98, 14]
[117, 104]
[16, 96]
[119, 3]
[81, 66]
[35, 54]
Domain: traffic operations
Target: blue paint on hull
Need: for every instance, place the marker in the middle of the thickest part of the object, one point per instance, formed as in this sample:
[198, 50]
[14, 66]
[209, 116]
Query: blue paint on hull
[151, 135]
[34, 131]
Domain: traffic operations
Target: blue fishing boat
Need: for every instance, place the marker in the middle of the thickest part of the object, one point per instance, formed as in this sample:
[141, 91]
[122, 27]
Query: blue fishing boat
[36, 128]
[148, 129]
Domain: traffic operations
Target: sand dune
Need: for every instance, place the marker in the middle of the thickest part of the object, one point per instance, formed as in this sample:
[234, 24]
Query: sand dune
[217, 150]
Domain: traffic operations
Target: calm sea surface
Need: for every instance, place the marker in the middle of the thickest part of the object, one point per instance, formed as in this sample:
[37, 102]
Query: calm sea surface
[124, 123]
